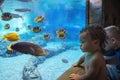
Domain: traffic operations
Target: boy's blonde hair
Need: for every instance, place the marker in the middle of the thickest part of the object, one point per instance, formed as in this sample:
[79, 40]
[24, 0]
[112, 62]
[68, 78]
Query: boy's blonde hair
[114, 31]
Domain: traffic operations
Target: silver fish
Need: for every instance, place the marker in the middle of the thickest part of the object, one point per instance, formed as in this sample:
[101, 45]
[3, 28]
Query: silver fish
[16, 16]
[25, 0]
[23, 10]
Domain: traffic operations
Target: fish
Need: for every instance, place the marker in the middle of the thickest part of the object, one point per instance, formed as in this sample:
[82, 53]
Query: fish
[38, 19]
[16, 16]
[7, 26]
[6, 16]
[36, 29]
[64, 60]
[11, 36]
[27, 48]
[23, 10]
[46, 36]
[25, 0]
[61, 33]
[17, 29]
[28, 27]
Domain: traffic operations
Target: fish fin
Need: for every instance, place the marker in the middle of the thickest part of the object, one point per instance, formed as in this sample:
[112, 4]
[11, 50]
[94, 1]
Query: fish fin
[9, 47]
[3, 37]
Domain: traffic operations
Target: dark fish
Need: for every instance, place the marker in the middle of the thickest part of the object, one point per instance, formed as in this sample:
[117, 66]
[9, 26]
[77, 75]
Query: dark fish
[23, 10]
[61, 33]
[17, 29]
[6, 16]
[36, 29]
[64, 60]
[46, 36]
[25, 0]
[27, 48]
[29, 27]
[7, 26]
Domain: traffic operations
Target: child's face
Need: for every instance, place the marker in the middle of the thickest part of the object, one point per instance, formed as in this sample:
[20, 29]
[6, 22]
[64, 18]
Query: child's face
[109, 41]
[86, 42]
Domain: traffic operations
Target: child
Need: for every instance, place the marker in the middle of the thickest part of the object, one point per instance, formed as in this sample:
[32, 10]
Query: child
[92, 39]
[113, 48]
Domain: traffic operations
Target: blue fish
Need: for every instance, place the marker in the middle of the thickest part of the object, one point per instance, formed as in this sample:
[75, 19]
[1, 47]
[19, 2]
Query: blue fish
[25, 0]
[16, 16]
[64, 60]
[23, 10]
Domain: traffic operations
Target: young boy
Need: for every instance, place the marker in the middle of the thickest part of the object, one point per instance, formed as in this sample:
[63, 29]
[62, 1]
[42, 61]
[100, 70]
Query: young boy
[92, 39]
[113, 55]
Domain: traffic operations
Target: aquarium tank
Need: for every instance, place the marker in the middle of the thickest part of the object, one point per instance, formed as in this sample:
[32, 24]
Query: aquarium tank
[39, 39]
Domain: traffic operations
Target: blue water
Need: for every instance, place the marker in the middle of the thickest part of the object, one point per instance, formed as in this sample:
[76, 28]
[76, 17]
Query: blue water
[66, 14]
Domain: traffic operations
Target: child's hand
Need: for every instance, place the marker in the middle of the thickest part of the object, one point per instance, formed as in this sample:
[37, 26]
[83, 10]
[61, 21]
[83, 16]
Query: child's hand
[75, 65]
[74, 77]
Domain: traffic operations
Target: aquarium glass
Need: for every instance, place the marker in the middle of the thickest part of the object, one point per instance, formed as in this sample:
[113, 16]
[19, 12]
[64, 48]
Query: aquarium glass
[29, 28]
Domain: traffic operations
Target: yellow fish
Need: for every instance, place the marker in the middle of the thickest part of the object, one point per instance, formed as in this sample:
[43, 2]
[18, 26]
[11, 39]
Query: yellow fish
[38, 19]
[36, 29]
[11, 36]
[46, 36]
[61, 33]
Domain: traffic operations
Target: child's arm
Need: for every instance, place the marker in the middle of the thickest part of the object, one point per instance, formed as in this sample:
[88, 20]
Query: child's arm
[93, 71]
[90, 74]
[81, 60]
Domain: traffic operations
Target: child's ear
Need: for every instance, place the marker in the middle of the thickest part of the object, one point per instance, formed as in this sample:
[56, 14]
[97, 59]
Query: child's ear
[96, 41]
[113, 40]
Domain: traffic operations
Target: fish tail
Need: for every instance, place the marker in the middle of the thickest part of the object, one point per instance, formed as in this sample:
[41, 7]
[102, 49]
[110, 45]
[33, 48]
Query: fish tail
[3, 37]
[9, 47]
